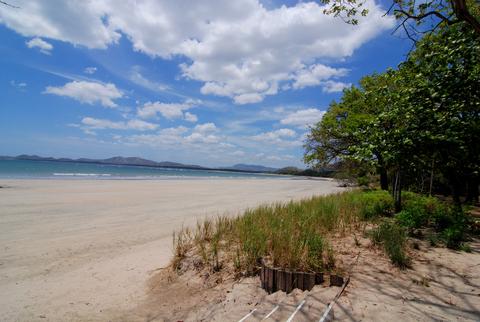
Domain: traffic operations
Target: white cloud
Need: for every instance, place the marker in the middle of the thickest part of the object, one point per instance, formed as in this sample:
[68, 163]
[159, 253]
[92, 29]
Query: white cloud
[282, 137]
[197, 137]
[90, 70]
[303, 118]
[205, 128]
[248, 98]
[203, 133]
[238, 49]
[333, 87]
[189, 117]
[88, 92]
[315, 74]
[41, 44]
[179, 137]
[273, 135]
[80, 23]
[238, 153]
[21, 86]
[169, 111]
[101, 124]
[137, 77]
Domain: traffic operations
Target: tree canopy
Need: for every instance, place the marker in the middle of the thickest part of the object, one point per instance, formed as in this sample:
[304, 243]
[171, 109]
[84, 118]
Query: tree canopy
[415, 17]
[420, 118]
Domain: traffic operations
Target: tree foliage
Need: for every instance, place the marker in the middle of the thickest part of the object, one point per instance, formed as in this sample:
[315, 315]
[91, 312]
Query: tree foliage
[415, 17]
[420, 118]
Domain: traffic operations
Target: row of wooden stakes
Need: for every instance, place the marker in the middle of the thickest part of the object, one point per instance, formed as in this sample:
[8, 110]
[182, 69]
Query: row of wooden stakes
[275, 279]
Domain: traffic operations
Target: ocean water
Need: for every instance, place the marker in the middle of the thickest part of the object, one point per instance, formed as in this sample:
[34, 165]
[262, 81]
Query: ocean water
[25, 169]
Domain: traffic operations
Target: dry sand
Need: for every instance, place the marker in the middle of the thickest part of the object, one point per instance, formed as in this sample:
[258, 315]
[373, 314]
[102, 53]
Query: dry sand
[441, 285]
[81, 250]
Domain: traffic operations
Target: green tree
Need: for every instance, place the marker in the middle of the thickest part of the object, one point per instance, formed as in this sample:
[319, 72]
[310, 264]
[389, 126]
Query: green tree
[420, 117]
[415, 17]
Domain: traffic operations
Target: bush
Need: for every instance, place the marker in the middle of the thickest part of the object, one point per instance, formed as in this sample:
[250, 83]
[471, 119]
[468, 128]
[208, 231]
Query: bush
[393, 238]
[450, 223]
[453, 229]
[421, 211]
[375, 203]
[453, 237]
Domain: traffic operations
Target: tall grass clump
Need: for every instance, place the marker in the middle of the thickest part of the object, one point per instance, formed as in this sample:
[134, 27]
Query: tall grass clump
[393, 238]
[291, 235]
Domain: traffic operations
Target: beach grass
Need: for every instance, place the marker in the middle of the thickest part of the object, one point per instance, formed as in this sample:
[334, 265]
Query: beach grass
[297, 235]
[293, 235]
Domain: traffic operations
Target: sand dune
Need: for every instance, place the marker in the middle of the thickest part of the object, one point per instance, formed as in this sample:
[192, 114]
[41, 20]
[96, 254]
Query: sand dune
[83, 249]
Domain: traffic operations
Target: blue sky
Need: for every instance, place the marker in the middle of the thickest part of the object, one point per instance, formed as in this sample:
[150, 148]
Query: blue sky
[212, 83]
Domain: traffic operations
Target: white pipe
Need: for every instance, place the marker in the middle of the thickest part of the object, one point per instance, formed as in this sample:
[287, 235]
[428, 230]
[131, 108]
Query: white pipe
[246, 316]
[271, 312]
[296, 310]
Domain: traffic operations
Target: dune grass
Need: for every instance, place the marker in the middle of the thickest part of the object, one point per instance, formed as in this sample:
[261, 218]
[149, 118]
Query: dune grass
[291, 235]
[296, 235]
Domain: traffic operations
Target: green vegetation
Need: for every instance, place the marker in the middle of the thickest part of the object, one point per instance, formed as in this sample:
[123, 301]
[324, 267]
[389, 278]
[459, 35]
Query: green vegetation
[415, 18]
[415, 127]
[294, 235]
[393, 238]
[297, 235]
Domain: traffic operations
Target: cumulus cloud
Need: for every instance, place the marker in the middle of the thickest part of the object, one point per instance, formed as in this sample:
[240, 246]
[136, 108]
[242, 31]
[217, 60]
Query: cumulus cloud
[303, 118]
[238, 49]
[41, 44]
[88, 92]
[80, 23]
[203, 133]
[102, 124]
[189, 117]
[282, 137]
[205, 128]
[334, 87]
[200, 136]
[169, 111]
[315, 74]
[90, 70]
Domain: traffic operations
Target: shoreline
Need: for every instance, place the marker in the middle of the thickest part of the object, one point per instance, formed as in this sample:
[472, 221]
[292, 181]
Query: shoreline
[84, 249]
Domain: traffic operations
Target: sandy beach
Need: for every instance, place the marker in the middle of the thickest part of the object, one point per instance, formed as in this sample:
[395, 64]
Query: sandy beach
[76, 250]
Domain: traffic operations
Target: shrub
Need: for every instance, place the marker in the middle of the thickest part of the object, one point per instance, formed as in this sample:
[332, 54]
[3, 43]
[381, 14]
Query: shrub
[393, 238]
[375, 203]
[420, 211]
[453, 237]
[450, 223]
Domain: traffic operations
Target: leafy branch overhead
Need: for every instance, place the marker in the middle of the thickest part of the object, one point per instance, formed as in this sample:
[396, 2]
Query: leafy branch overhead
[415, 17]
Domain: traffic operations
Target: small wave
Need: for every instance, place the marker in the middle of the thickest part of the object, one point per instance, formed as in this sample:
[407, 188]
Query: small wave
[75, 174]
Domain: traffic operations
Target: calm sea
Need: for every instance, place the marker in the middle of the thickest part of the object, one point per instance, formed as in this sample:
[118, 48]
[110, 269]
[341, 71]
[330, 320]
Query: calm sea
[24, 169]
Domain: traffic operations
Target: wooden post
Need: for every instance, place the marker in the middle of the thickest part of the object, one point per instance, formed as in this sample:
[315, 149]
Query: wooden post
[288, 282]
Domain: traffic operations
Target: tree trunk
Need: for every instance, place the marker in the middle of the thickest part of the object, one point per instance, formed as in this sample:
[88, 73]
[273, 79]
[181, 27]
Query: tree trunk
[463, 13]
[472, 190]
[397, 192]
[431, 181]
[455, 184]
[383, 179]
[383, 173]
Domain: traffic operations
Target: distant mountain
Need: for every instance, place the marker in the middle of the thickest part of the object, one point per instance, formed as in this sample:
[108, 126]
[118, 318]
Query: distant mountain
[251, 167]
[135, 161]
